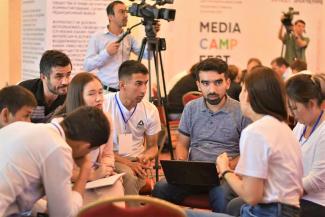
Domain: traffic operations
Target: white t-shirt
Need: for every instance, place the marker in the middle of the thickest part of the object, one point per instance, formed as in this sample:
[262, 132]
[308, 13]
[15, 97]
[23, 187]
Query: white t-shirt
[313, 153]
[140, 121]
[270, 151]
[36, 159]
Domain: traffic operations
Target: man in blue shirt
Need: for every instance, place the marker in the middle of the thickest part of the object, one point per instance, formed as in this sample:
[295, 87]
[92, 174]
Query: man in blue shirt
[105, 53]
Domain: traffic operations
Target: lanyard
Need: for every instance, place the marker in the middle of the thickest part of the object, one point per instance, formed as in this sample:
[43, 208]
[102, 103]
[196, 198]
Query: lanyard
[119, 108]
[313, 129]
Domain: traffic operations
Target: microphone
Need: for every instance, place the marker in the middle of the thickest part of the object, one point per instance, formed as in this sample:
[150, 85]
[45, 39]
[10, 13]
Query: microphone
[128, 31]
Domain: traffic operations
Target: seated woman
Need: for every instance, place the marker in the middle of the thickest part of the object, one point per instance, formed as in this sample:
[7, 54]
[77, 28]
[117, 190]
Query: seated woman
[86, 89]
[306, 94]
[268, 176]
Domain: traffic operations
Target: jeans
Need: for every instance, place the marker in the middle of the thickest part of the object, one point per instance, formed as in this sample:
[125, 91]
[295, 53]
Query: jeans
[219, 196]
[269, 210]
[260, 210]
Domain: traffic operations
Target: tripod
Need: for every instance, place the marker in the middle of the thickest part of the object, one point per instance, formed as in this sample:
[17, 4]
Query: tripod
[154, 47]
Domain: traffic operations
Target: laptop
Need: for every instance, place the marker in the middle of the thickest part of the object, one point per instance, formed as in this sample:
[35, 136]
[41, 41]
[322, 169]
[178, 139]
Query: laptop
[190, 173]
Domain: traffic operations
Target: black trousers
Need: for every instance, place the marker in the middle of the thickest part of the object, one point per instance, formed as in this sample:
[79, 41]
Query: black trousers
[311, 209]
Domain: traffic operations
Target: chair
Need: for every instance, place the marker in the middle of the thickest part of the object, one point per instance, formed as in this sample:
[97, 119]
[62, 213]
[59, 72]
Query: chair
[190, 96]
[151, 207]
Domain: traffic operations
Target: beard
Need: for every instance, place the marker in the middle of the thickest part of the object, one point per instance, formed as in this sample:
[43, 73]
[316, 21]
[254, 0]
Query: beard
[214, 101]
[60, 90]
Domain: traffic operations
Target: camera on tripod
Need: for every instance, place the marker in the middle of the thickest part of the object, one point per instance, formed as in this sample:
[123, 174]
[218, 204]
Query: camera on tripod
[151, 12]
[287, 17]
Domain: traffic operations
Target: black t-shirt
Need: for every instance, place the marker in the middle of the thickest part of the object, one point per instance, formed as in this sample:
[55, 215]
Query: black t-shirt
[43, 112]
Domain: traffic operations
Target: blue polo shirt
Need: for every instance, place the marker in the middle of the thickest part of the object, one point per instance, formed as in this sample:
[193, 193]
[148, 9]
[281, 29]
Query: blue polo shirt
[212, 133]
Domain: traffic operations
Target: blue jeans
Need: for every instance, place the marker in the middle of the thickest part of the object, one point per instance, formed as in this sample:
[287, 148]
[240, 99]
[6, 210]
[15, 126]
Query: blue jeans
[266, 210]
[219, 196]
[269, 210]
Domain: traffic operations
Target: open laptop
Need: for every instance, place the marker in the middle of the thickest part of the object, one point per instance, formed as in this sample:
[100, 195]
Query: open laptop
[190, 173]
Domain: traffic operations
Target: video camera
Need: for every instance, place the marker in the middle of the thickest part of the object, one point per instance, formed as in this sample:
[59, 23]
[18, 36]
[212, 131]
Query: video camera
[151, 12]
[288, 16]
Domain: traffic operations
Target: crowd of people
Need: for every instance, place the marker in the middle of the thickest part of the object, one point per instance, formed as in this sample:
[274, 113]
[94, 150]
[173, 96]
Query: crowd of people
[58, 133]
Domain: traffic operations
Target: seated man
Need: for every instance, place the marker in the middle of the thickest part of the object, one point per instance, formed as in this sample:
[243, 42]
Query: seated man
[17, 108]
[136, 125]
[210, 125]
[51, 88]
[37, 159]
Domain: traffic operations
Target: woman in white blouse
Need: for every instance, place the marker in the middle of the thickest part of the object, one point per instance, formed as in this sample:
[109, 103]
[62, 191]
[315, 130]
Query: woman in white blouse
[306, 95]
[268, 176]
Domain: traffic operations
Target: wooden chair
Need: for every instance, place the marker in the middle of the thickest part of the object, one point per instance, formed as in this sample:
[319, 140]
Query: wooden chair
[151, 207]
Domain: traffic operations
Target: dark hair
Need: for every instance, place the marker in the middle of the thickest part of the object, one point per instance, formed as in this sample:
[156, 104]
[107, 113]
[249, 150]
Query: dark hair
[53, 58]
[212, 64]
[233, 72]
[280, 61]
[266, 92]
[15, 97]
[300, 21]
[110, 7]
[74, 97]
[259, 63]
[88, 124]
[298, 65]
[304, 87]
[193, 70]
[130, 67]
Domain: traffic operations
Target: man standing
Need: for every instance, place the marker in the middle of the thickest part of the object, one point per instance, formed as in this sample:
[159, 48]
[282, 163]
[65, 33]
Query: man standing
[37, 160]
[294, 41]
[17, 108]
[51, 88]
[281, 67]
[136, 125]
[105, 53]
[210, 125]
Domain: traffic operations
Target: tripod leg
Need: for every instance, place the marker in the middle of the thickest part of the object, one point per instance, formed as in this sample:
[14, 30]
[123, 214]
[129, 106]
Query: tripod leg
[143, 45]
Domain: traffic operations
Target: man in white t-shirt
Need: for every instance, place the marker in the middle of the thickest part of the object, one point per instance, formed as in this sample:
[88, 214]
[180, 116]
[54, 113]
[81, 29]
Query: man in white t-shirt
[136, 125]
[37, 161]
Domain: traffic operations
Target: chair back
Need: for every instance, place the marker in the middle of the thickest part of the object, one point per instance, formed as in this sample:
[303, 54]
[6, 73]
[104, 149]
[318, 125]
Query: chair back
[190, 96]
[151, 207]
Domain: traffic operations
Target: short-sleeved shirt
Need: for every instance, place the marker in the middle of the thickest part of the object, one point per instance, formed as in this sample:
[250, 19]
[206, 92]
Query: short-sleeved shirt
[270, 151]
[293, 51]
[212, 133]
[313, 152]
[43, 112]
[141, 121]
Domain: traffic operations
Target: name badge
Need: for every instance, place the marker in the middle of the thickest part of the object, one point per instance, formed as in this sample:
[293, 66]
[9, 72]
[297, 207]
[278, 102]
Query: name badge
[125, 143]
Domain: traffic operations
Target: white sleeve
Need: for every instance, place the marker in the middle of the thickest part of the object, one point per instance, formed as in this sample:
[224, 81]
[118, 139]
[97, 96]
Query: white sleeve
[314, 181]
[95, 58]
[254, 155]
[56, 175]
[154, 125]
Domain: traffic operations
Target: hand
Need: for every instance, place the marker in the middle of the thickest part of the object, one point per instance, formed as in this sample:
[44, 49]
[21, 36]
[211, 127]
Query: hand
[137, 169]
[83, 162]
[112, 48]
[222, 163]
[101, 172]
[157, 26]
[233, 162]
